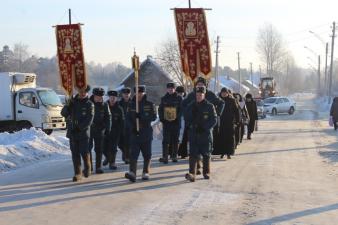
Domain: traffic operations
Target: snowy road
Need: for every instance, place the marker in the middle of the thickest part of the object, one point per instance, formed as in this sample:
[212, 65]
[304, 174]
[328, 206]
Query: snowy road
[288, 174]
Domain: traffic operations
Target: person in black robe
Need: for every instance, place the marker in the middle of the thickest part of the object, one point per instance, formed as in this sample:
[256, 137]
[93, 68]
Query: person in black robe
[224, 133]
[253, 115]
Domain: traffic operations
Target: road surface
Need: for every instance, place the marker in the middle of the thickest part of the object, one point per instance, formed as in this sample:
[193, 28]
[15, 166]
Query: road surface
[287, 174]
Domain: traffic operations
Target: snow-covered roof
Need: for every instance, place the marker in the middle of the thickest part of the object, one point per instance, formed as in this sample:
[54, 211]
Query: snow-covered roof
[152, 62]
[230, 83]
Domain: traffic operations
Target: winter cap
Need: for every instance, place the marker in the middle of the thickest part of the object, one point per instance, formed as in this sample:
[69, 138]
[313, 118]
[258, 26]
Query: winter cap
[171, 85]
[141, 88]
[112, 93]
[224, 89]
[180, 89]
[98, 91]
[248, 95]
[201, 80]
[126, 90]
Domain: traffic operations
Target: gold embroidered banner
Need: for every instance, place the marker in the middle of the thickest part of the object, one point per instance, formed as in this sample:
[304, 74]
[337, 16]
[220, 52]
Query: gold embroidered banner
[192, 34]
[70, 56]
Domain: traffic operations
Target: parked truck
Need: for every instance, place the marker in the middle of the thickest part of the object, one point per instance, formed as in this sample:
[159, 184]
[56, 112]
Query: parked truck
[267, 87]
[24, 105]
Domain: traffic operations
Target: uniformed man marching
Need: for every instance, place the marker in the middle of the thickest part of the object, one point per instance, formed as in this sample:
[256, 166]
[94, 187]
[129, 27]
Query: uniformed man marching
[79, 113]
[117, 125]
[170, 114]
[200, 116]
[140, 140]
[124, 139]
[100, 127]
[210, 97]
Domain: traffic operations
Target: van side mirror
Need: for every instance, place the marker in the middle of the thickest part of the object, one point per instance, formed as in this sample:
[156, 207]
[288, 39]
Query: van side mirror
[34, 101]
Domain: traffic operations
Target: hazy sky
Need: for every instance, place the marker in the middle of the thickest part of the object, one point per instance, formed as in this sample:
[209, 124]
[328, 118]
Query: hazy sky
[112, 28]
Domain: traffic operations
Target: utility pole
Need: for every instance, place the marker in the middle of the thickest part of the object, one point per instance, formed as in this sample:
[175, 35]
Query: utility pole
[251, 75]
[216, 88]
[325, 76]
[260, 72]
[239, 74]
[331, 66]
[318, 74]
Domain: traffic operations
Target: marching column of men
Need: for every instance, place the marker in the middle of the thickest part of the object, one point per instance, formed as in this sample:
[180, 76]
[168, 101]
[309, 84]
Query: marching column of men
[211, 124]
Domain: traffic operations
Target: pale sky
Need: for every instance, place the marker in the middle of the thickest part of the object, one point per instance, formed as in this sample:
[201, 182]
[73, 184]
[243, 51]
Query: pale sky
[112, 28]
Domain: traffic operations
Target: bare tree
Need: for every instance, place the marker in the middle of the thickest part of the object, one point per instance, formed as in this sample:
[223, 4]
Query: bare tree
[20, 55]
[168, 56]
[270, 46]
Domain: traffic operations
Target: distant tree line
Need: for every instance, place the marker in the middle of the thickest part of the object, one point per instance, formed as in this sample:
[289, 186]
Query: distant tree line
[21, 60]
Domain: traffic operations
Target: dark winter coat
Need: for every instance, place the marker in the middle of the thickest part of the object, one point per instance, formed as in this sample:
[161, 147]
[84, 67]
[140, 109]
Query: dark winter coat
[102, 119]
[252, 110]
[224, 134]
[200, 119]
[174, 100]
[147, 114]
[117, 120]
[79, 114]
[334, 109]
[209, 96]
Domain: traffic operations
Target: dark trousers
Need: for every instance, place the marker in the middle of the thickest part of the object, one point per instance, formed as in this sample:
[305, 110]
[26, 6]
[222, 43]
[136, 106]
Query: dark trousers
[183, 148]
[124, 144]
[140, 146]
[242, 132]
[78, 147]
[98, 142]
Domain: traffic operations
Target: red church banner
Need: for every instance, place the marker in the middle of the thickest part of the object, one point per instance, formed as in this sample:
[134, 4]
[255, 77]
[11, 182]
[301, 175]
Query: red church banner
[192, 34]
[70, 57]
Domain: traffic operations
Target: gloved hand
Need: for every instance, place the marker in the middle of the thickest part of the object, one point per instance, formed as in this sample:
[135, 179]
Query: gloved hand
[138, 115]
[135, 131]
[199, 129]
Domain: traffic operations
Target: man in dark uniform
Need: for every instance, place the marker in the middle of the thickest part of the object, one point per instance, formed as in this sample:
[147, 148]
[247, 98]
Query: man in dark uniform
[79, 113]
[210, 97]
[200, 116]
[169, 112]
[140, 140]
[124, 139]
[117, 125]
[100, 127]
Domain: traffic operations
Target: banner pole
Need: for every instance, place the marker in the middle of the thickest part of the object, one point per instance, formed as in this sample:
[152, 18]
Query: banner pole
[70, 16]
[136, 67]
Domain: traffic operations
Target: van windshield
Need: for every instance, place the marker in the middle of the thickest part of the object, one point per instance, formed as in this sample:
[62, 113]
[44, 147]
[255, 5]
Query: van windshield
[49, 97]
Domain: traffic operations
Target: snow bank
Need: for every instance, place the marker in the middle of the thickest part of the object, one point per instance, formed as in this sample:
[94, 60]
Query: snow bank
[28, 146]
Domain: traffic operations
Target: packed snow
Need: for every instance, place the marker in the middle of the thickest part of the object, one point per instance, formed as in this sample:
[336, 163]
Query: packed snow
[28, 146]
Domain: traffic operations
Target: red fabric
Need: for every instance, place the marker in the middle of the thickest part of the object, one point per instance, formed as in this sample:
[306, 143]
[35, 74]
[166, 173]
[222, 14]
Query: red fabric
[192, 34]
[70, 57]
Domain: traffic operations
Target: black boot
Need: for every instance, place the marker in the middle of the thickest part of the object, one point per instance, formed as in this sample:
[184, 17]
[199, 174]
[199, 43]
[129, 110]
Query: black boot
[87, 165]
[131, 175]
[192, 169]
[77, 168]
[206, 167]
[98, 161]
[174, 152]
[199, 166]
[165, 152]
[146, 169]
[112, 164]
[249, 136]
